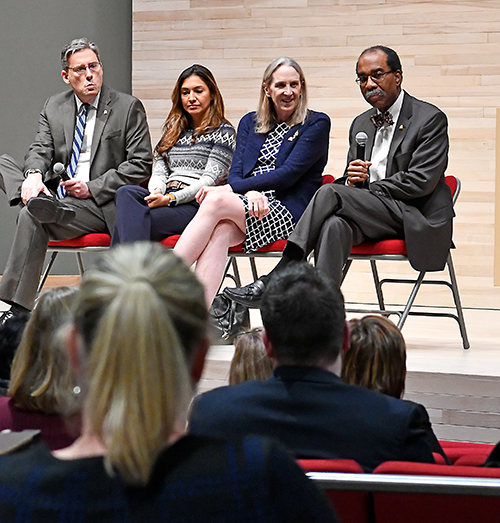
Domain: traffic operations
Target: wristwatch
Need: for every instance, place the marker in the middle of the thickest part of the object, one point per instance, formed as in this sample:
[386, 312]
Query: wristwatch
[32, 171]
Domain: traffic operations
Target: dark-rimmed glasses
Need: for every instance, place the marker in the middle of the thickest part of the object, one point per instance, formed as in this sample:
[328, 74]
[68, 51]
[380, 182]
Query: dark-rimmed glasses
[376, 77]
[93, 67]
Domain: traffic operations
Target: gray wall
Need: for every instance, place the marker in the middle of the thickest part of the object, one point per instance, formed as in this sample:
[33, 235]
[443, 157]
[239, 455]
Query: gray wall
[32, 34]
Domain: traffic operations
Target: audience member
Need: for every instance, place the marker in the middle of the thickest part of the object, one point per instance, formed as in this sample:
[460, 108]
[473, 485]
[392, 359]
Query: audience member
[376, 359]
[137, 342]
[250, 360]
[41, 391]
[305, 405]
[281, 151]
[397, 191]
[100, 139]
[11, 332]
[195, 150]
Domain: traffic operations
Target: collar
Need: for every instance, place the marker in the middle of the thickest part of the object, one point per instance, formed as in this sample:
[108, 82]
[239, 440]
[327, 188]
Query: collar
[94, 103]
[395, 108]
[304, 373]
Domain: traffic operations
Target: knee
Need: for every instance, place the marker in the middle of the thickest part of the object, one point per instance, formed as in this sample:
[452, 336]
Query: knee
[130, 193]
[216, 203]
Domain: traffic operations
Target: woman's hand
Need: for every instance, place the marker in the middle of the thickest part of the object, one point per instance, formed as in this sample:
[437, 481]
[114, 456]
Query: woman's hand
[258, 204]
[201, 194]
[157, 199]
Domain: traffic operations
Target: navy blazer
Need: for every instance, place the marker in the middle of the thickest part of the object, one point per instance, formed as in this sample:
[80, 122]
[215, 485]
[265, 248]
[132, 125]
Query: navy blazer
[299, 164]
[314, 414]
[417, 161]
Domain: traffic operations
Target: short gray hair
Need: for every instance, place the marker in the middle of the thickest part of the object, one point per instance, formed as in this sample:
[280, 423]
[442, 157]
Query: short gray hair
[78, 44]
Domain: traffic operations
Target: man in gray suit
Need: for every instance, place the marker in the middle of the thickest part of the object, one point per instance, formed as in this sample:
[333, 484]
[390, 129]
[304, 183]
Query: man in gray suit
[400, 192]
[101, 137]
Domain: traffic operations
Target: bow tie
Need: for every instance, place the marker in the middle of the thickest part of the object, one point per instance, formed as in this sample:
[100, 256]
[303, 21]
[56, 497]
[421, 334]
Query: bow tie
[379, 119]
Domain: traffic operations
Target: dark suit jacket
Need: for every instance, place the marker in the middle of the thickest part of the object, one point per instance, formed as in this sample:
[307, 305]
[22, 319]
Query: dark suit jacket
[418, 157]
[315, 415]
[121, 146]
[299, 164]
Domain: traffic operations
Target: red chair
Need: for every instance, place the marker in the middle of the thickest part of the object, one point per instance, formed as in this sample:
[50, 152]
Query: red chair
[391, 250]
[93, 242]
[449, 499]
[351, 506]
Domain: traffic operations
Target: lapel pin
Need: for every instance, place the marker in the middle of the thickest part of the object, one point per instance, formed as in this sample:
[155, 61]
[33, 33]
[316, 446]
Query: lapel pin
[105, 111]
[292, 138]
[401, 127]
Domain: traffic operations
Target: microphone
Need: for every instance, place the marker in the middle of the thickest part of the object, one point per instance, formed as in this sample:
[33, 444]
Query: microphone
[60, 170]
[361, 139]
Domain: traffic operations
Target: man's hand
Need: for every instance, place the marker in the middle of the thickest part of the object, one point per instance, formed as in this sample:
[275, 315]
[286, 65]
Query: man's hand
[357, 172]
[76, 188]
[258, 204]
[157, 199]
[32, 187]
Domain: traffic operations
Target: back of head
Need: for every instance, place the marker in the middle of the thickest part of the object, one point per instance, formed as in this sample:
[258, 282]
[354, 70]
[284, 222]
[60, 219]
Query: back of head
[41, 376]
[141, 316]
[304, 317]
[250, 360]
[376, 358]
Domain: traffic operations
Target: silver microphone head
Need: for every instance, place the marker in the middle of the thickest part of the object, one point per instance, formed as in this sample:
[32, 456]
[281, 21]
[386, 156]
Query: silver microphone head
[361, 138]
[58, 168]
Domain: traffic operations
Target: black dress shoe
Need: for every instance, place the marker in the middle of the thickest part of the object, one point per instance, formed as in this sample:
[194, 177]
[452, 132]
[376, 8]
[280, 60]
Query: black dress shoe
[50, 210]
[250, 295]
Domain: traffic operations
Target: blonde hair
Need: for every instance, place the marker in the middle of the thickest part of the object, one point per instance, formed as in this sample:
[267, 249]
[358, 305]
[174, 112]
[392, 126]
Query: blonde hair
[142, 316]
[266, 118]
[250, 360]
[41, 377]
[376, 358]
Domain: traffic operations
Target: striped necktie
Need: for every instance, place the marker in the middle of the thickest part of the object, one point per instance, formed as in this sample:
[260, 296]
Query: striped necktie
[77, 146]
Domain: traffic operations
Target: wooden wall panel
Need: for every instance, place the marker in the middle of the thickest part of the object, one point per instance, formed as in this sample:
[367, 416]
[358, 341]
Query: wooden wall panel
[450, 55]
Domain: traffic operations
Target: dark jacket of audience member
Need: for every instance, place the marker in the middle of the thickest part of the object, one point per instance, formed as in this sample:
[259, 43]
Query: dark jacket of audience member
[376, 359]
[305, 405]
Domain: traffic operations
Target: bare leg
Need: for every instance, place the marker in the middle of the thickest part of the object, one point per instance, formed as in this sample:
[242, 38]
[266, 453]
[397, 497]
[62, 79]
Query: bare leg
[217, 206]
[218, 225]
[211, 263]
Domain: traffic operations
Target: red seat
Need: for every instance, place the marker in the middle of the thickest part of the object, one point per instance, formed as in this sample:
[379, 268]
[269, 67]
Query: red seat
[433, 507]
[352, 506]
[92, 242]
[395, 250]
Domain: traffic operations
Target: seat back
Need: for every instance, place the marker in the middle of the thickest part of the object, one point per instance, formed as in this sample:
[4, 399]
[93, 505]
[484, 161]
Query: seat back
[454, 184]
[351, 506]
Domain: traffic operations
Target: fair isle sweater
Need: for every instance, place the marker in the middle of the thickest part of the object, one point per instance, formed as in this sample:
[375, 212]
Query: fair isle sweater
[206, 162]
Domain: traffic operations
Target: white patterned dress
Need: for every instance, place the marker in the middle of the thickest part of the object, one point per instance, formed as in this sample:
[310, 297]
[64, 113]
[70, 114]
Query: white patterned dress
[278, 223]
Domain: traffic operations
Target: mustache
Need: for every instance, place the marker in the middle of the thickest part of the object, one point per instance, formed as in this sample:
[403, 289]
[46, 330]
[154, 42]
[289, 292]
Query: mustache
[374, 92]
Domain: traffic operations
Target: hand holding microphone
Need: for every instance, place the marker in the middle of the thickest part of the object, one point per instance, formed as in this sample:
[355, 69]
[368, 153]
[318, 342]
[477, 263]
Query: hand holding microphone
[357, 170]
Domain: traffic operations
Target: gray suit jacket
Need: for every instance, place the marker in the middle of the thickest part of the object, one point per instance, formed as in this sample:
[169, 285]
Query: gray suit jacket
[417, 161]
[121, 147]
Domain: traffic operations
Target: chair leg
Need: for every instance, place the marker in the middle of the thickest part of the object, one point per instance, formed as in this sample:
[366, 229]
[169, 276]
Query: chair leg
[378, 285]
[345, 270]
[411, 299]
[236, 272]
[253, 267]
[79, 261]
[458, 304]
[47, 270]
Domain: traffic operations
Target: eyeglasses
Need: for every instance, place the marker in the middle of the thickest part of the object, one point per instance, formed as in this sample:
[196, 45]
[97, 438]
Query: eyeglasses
[376, 77]
[94, 67]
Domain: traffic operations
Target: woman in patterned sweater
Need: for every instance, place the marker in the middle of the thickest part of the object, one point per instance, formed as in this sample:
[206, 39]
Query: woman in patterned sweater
[195, 150]
[281, 151]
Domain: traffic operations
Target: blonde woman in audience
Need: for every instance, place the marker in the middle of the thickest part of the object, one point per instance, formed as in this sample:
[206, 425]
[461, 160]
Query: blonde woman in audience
[281, 151]
[376, 360]
[138, 343]
[250, 360]
[42, 384]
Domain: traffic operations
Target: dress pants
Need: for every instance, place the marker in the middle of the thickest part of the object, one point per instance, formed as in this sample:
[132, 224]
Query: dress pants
[21, 276]
[135, 221]
[337, 218]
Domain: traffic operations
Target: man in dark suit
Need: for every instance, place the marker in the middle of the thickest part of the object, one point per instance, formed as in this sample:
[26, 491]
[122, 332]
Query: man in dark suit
[305, 405]
[400, 192]
[102, 138]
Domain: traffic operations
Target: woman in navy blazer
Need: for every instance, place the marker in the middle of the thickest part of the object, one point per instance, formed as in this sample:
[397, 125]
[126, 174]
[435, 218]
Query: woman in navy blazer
[281, 151]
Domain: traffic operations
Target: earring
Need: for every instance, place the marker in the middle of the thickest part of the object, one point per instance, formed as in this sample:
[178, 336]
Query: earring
[76, 390]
